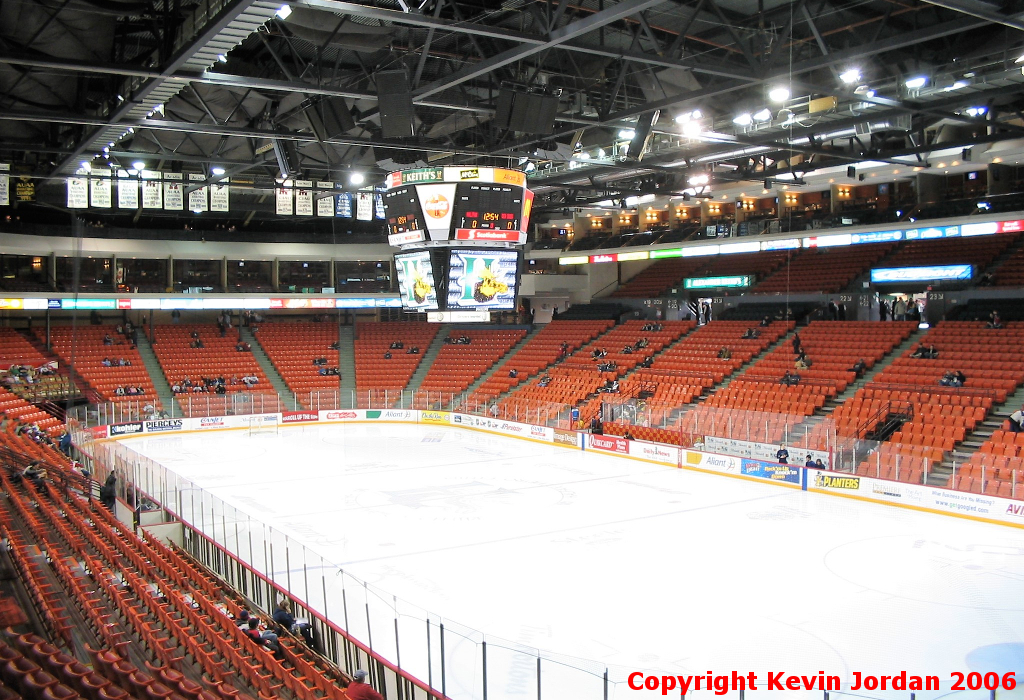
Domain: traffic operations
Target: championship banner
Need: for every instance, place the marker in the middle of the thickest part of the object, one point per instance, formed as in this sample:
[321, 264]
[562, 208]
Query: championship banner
[78, 193]
[174, 194]
[343, 205]
[152, 190]
[364, 206]
[325, 204]
[219, 195]
[284, 197]
[304, 198]
[197, 197]
[99, 189]
[5, 185]
[127, 192]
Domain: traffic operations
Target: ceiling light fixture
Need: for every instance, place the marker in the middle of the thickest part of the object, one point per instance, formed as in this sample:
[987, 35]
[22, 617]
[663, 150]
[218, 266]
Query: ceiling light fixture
[139, 165]
[743, 119]
[355, 178]
[778, 94]
[627, 134]
[850, 76]
[222, 58]
[284, 11]
[976, 111]
[918, 82]
[217, 171]
[764, 115]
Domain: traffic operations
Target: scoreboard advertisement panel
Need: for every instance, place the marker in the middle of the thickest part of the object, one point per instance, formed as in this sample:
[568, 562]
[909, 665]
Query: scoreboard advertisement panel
[416, 281]
[483, 278]
[460, 204]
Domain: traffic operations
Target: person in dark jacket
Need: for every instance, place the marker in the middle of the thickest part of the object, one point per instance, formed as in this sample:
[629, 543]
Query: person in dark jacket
[283, 614]
[107, 491]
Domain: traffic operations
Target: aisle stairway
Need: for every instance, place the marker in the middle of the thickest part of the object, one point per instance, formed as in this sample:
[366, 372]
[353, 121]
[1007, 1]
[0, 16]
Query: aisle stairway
[511, 351]
[347, 361]
[428, 358]
[156, 373]
[258, 354]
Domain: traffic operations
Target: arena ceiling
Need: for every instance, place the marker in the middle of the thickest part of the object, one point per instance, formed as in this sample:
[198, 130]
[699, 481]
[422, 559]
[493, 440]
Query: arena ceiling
[193, 85]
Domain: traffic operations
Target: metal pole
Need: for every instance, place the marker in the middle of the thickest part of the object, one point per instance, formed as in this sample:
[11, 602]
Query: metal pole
[444, 684]
[538, 677]
[366, 597]
[483, 648]
[430, 662]
[606, 684]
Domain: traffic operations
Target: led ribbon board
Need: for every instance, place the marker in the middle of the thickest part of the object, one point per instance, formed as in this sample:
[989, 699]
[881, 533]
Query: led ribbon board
[928, 273]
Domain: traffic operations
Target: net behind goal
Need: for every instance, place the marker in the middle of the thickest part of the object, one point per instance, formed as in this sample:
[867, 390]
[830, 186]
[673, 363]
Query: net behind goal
[263, 425]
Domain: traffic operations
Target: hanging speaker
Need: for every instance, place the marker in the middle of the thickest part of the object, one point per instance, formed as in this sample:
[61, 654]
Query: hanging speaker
[503, 108]
[394, 103]
[642, 134]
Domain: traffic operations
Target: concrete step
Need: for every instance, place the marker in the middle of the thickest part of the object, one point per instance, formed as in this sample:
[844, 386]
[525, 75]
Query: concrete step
[259, 354]
[428, 358]
[156, 374]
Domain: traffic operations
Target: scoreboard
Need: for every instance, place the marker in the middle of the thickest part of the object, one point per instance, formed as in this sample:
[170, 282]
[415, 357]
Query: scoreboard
[457, 204]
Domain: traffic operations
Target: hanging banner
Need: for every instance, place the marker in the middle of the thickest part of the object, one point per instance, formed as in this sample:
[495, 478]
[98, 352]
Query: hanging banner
[127, 191]
[378, 205]
[197, 197]
[25, 189]
[5, 185]
[343, 205]
[219, 195]
[152, 190]
[78, 193]
[364, 206]
[99, 189]
[325, 204]
[284, 198]
[174, 193]
[304, 198]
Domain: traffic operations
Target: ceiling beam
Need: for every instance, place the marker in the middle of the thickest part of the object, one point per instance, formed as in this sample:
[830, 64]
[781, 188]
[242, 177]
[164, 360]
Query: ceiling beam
[981, 10]
[559, 36]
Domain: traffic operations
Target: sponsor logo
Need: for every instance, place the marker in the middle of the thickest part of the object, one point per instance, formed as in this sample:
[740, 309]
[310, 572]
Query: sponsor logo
[435, 416]
[654, 452]
[612, 444]
[126, 428]
[436, 206]
[1015, 509]
[457, 418]
[98, 432]
[159, 426]
[212, 422]
[886, 489]
[566, 437]
[299, 416]
[511, 428]
[538, 431]
[341, 415]
[831, 481]
[469, 174]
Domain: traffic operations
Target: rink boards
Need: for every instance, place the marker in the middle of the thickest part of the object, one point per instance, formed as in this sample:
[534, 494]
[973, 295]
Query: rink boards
[981, 507]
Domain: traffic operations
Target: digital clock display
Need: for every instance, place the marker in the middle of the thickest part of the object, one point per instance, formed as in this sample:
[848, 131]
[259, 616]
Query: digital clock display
[402, 210]
[488, 207]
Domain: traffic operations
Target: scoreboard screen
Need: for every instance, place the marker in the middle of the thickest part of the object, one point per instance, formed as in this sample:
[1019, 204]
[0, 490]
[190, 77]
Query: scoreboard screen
[482, 279]
[488, 207]
[402, 213]
[416, 281]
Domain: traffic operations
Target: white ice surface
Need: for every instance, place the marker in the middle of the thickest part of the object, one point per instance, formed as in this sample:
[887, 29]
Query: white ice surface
[626, 564]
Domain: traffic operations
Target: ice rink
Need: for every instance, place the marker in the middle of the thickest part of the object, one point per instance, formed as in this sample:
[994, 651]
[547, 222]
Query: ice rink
[629, 565]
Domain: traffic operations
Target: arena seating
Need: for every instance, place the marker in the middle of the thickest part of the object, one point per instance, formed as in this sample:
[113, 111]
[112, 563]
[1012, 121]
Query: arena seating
[539, 352]
[218, 357]
[996, 469]
[827, 270]
[373, 372]
[16, 350]
[459, 365]
[126, 601]
[292, 347]
[16, 407]
[1011, 272]
[653, 281]
[978, 251]
[85, 345]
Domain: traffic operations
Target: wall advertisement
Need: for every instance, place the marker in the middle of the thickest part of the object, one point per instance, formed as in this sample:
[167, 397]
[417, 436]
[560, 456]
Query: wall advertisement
[436, 417]
[398, 415]
[165, 425]
[974, 505]
[654, 452]
[771, 471]
[299, 416]
[761, 451]
[568, 438]
[343, 415]
[609, 443]
[504, 427]
[726, 464]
